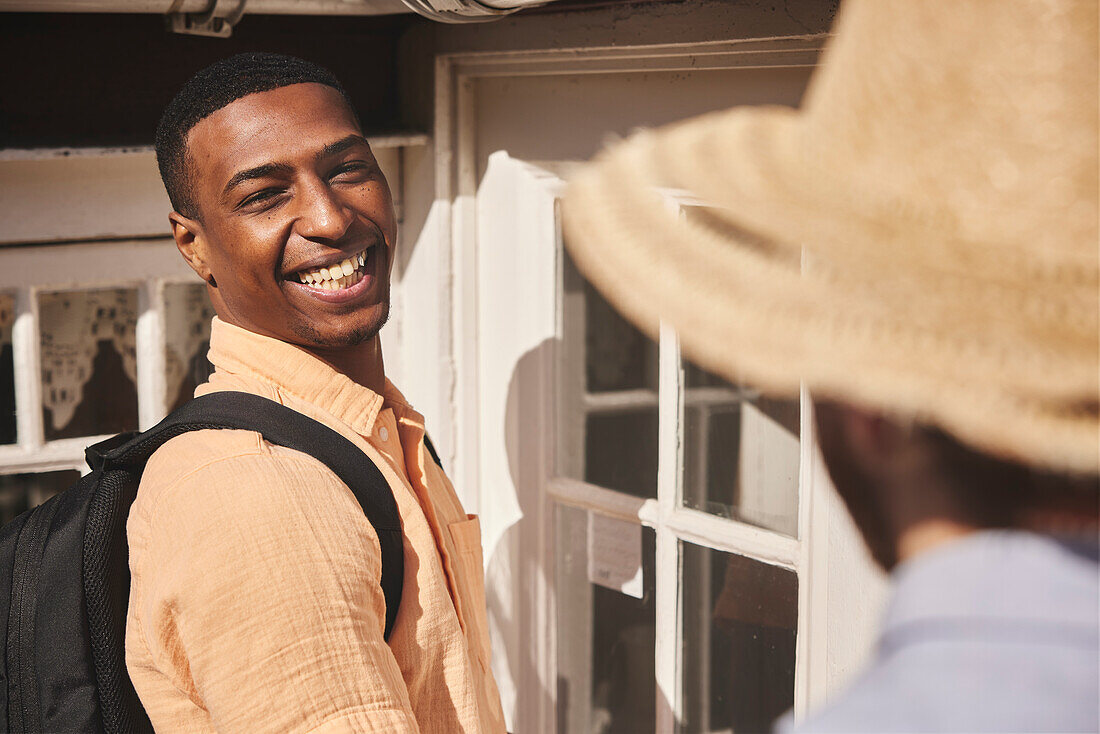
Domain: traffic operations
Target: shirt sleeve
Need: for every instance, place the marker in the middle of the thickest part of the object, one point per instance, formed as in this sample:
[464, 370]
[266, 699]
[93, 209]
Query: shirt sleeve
[256, 591]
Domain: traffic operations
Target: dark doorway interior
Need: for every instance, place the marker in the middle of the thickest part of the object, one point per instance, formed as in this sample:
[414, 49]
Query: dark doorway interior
[102, 79]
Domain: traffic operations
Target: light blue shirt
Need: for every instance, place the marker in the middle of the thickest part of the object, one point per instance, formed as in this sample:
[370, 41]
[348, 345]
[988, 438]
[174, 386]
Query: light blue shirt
[997, 632]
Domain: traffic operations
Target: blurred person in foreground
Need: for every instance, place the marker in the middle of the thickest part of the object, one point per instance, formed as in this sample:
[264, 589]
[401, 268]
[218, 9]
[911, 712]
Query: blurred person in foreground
[918, 245]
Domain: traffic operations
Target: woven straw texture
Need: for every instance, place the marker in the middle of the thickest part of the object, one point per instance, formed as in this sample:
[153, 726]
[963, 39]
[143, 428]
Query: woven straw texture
[921, 237]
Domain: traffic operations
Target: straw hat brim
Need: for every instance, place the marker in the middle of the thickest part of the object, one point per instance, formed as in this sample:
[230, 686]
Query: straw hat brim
[748, 303]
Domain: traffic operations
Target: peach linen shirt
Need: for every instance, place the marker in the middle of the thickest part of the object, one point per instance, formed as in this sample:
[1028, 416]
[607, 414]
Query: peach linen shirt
[255, 603]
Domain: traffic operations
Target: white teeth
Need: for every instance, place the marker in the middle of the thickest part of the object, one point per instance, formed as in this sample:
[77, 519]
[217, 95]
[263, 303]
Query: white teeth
[335, 277]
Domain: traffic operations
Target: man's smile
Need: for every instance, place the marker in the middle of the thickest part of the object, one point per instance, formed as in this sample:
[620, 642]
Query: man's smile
[337, 273]
[342, 278]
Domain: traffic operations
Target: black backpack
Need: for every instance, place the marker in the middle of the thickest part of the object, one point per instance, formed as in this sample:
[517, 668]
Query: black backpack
[65, 578]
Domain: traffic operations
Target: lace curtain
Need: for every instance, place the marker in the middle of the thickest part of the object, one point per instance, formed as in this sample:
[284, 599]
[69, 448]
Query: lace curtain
[186, 331]
[73, 324]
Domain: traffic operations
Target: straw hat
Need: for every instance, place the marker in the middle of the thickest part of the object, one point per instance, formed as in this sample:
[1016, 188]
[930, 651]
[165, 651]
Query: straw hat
[920, 237]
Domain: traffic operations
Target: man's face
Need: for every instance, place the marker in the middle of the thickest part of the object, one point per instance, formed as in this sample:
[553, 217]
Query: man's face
[295, 221]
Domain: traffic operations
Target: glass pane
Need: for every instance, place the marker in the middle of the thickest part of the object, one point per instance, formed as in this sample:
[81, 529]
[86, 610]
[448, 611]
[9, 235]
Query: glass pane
[617, 356]
[89, 363]
[21, 492]
[740, 618]
[621, 451]
[7, 370]
[187, 315]
[741, 453]
[606, 678]
[608, 408]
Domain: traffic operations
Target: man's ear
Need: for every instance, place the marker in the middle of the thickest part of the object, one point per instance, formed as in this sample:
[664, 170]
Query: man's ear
[191, 243]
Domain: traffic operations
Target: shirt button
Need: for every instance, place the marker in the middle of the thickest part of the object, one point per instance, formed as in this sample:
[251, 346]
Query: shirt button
[383, 434]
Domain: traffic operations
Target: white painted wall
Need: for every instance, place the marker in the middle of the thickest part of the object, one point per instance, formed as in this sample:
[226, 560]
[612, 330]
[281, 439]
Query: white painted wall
[46, 196]
[75, 194]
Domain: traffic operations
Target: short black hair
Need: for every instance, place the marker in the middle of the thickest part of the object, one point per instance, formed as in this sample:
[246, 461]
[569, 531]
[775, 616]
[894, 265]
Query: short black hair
[213, 88]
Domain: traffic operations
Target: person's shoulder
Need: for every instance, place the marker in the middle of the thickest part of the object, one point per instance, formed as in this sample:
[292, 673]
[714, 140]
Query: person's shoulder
[966, 684]
[229, 471]
[195, 452]
[873, 703]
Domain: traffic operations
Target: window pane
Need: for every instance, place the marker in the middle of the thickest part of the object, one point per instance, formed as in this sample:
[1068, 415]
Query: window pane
[618, 356]
[89, 363]
[741, 453]
[740, 618]
[187, 315]
[621, 452]
[606, 678]
[7, 370]
[608, 408]
[21, 492]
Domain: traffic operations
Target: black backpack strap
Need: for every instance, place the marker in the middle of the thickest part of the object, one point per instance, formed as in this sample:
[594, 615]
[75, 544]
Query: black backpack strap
[431, 450]
[286, 427]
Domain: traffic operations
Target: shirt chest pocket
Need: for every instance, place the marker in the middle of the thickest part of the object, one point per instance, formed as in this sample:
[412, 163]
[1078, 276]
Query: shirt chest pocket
[470, 584]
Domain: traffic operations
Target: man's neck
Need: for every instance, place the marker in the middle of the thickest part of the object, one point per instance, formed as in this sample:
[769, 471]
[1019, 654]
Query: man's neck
[361, 363]
[928, 534]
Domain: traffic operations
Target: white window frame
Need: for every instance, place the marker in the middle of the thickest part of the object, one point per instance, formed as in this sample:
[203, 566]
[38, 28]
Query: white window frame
[673, 521]
[832, 627]
[146, 266]
[538, 190]
[456, 181]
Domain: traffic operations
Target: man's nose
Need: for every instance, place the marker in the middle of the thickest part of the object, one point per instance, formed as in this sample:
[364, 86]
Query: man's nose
[322, 214]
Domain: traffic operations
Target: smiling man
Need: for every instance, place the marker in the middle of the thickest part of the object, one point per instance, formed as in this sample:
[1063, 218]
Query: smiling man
[255, 602]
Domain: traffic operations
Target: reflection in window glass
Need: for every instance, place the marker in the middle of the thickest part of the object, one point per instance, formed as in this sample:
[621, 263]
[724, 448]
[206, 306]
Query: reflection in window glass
[617, 356]
[741, 453]
[89, 362]
[21, 492]
[740, 618]
[621, 451]
[606, 673]
[609, 399]
[7, 370]
[187, 315]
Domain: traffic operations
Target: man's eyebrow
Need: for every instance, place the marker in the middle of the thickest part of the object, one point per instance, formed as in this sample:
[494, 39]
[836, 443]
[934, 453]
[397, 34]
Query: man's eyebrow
[340, 146]
[248, 174]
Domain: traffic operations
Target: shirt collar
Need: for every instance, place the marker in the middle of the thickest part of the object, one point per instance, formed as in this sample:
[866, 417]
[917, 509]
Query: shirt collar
[299, 373]
[1003, 575]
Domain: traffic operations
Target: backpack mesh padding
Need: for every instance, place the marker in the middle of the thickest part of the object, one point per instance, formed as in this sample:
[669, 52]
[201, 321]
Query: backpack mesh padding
[106, 591]
[107, 582]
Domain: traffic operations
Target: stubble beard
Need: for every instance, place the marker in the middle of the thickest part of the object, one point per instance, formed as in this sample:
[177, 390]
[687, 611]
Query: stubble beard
[310, 335]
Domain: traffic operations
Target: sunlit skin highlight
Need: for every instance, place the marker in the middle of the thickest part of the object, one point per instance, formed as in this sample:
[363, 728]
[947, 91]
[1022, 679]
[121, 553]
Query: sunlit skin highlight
[283, 182]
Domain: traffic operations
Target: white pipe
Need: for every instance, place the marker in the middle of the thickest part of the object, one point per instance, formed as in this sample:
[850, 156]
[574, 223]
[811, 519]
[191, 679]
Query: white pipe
[254, 7]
